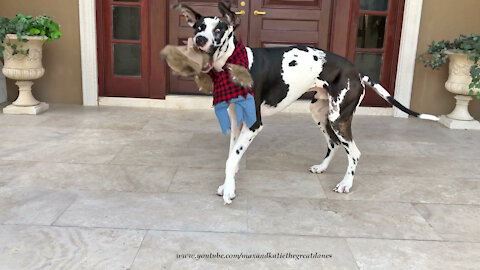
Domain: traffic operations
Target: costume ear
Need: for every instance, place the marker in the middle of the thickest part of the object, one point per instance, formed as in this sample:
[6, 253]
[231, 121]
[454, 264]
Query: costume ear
[190, 15]
[224, 8]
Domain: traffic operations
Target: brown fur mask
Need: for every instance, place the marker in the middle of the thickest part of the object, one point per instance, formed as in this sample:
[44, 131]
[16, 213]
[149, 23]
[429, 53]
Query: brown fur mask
[187, 61]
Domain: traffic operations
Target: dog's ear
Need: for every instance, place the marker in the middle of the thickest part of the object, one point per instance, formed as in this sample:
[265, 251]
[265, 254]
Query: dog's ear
[190, 15]
[224, 8]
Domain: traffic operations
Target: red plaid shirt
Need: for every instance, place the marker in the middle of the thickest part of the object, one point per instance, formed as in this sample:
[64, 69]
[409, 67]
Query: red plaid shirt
[224, 89]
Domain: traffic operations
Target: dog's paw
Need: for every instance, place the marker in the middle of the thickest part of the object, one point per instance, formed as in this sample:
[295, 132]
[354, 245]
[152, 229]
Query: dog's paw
[227, 193]
[318, 168]
[220, 190]
[344, 186]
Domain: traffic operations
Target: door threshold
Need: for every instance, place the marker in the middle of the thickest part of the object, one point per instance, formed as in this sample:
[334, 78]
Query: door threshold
[189, 102]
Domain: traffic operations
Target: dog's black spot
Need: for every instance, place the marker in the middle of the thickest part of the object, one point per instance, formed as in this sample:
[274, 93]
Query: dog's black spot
[238, 152]
[354, 161]
[314, 100]
[293, 63]
[328, 152]
[319, 123]
[199, 27]
[295, 55]
[315, 58]
[352, 172]
[241, 148]
[332, 144]
[348, 153]
[345, 144]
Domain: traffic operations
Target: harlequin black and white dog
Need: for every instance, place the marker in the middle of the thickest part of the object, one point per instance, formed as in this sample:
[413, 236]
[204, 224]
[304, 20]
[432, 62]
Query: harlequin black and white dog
[281, 76]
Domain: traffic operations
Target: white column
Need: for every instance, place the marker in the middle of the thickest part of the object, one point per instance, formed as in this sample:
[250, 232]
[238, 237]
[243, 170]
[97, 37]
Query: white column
[88, 43]
[408, 53]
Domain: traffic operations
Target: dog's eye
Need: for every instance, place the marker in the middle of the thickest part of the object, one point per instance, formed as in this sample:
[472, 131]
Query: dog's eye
[199, 28]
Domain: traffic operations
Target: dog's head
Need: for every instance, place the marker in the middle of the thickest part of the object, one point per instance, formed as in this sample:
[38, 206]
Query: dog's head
[211, 33]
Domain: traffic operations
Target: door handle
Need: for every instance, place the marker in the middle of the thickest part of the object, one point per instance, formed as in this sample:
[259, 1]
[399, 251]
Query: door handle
[256, 12]
[242, 12]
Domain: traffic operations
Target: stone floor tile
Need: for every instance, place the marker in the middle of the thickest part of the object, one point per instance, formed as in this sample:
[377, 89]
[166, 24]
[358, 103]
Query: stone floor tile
[173, 156]
[164, 211]
[377, 254]
[44, 247]
[35, 134]
[10, 169]
[453, 222]
[160, 249]
[259, 183]
[337, 218]
[95, 177]
[32, 205]
[130, 137]
[60, 152]
[371, 187]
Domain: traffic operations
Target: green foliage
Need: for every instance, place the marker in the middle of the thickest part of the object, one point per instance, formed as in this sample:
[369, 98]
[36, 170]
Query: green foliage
[22, 25]
[436, 55]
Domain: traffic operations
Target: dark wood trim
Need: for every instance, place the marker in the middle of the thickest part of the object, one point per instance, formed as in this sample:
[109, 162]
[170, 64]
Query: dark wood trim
[396, 46]
[369, 50]
[340, 32]
[126, 4]
[374, 13]
[124, 41]
[159, 75]
[100, 48]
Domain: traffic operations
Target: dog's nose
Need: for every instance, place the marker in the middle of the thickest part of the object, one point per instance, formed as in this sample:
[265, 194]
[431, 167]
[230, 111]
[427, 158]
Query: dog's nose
[200, 41]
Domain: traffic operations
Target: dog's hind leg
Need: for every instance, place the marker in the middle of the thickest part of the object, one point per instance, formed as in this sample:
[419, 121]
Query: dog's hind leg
[319, 110]
[227, 190]
[340, 115]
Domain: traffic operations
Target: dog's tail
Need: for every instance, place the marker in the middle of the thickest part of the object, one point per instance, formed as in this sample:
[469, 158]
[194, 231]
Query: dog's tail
[385, 95]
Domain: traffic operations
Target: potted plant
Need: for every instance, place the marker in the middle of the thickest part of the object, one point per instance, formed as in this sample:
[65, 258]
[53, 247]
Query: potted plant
[21, 41]
[464, 76]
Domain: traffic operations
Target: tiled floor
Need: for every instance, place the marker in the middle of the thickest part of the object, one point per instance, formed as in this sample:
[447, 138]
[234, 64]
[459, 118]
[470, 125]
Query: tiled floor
[124, 188]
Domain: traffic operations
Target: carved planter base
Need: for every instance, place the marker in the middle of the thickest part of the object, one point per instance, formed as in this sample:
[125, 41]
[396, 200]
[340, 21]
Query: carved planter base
[24, 68]
[36, 109]
[459, 124]
[458, 83]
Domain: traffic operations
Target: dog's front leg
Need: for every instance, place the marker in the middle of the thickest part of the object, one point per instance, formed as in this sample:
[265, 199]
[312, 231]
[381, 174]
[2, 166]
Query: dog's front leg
[241, 145]
[235, 130]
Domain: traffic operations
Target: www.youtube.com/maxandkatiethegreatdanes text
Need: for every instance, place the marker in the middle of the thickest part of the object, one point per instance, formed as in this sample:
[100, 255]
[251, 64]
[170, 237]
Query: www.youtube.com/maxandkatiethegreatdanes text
[246, 256]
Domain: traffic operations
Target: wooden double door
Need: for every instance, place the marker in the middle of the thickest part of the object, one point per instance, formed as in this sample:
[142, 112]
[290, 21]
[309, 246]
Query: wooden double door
[267, 23]
[131, 33]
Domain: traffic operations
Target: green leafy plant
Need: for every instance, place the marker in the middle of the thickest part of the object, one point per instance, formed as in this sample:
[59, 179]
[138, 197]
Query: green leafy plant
[22, 25]
[436, 55]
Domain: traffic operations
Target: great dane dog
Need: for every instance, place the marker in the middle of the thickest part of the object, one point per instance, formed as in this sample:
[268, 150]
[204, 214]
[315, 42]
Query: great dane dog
[281, 76]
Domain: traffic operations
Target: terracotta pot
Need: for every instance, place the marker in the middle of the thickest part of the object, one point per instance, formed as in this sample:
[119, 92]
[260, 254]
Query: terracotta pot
[458, 83]
[24, 69]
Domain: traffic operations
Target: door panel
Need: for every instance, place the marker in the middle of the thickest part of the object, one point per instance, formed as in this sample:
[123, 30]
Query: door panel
[180, 31]
[375, 52]
[126, 48]
[290, 22]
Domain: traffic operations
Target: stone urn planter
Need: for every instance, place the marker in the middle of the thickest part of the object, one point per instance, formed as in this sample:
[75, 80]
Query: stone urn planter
[24, 69]
[458, 83]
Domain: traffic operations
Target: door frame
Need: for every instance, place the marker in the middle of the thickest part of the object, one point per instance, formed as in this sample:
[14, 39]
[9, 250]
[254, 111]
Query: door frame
[157, 87]
[90, 63]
